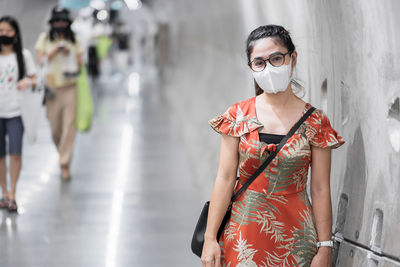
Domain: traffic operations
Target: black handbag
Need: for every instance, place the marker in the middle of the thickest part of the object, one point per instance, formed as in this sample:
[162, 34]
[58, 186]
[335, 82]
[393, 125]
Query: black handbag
[198, 235]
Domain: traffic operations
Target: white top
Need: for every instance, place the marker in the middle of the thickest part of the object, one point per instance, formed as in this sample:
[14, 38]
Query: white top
[9, 95]
[61, 63]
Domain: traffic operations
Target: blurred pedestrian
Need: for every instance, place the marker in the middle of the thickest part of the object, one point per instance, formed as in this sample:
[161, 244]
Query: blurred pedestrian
[61, 52]
[121, 37]
[17, 72]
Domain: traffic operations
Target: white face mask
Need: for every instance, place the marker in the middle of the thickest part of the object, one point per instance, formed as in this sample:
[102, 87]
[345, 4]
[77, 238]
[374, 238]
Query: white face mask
[274, 79]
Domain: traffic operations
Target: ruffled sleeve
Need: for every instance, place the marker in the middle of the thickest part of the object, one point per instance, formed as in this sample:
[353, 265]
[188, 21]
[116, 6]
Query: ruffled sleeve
[325, 136]
[234, 122]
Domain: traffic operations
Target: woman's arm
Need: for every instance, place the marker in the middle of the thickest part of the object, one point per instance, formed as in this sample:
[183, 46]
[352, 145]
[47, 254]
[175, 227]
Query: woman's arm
[220, 197]
[41, 55]
[27, 82]
[321, 201]
[79, 59]
[33, 81]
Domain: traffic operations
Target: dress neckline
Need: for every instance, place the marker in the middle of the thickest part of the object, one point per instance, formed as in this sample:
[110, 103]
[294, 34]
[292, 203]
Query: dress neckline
[279, 135]
[306, 107]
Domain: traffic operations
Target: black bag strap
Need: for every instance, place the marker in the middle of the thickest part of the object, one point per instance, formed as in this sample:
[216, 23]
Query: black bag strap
[272, 155]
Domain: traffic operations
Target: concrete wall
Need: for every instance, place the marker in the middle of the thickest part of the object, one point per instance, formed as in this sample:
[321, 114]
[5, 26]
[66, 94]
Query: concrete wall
[32, 17]
[349, 61]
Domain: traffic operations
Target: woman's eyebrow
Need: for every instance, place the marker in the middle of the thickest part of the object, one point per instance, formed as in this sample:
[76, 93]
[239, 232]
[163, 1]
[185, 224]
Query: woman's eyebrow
[272, 54]
[276, 52]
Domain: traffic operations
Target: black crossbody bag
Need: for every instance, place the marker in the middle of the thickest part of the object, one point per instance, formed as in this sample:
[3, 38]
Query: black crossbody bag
[198, 235]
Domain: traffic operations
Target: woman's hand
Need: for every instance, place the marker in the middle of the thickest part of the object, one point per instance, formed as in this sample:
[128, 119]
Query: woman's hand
[211, 255]
[63, 49]
[24, 84]
[53, 53]
[58, 49]
[323, 258]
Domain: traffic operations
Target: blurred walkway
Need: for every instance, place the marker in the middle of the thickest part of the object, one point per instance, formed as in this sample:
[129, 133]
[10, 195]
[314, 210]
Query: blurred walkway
[130, 201]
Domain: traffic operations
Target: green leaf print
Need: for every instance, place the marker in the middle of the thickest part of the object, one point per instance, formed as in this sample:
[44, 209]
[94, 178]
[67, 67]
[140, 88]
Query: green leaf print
[230, 231]
[245, 253]
[270, 226]
[302, 246]
[305, 239]
[258, 207]
[275, 260]
[292, 171]
[303, 196]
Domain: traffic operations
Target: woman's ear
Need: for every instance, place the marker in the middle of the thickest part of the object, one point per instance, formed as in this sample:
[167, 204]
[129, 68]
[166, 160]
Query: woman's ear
[294, 62]
[294, 59]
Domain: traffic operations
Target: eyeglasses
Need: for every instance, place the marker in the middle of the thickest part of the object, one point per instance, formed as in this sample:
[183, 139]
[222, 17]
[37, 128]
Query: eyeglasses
[276, 59]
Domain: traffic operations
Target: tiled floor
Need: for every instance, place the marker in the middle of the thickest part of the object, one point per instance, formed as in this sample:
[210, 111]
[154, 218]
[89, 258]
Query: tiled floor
[130, 202]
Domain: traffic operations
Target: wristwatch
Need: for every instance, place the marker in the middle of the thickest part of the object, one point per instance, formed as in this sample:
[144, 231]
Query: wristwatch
[325, 244]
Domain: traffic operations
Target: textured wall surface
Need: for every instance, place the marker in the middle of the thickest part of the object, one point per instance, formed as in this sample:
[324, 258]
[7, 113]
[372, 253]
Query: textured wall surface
[349, 63]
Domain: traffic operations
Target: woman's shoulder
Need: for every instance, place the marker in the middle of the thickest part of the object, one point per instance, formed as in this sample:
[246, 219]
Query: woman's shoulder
[41, 41]
[238, 120]
[322, 134]
[43, 36]
[244, 106]
[318, 114]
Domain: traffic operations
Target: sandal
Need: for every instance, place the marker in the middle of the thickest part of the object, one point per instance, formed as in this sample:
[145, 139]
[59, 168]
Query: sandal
[4, 203]
[12, 206]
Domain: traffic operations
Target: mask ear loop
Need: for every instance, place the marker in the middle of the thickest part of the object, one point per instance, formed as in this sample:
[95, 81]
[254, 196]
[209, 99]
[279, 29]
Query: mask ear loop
[294, 71]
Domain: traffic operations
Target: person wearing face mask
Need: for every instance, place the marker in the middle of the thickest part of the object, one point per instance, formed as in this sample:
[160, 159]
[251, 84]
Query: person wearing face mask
[17, 72]
[272, 222]
[60, 53]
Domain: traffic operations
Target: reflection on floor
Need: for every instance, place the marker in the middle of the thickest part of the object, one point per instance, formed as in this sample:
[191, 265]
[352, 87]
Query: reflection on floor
[130, 202]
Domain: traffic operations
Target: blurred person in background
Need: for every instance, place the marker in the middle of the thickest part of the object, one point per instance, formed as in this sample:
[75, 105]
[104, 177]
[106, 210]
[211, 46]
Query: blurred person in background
[99, 44]
[121, 37]
[17, 72]
[61, 52]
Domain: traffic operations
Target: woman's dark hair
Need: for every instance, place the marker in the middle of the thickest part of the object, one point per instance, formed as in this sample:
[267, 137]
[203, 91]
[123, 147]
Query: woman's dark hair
[17, 45]
[61, 14]
[68, 35]
[279, 34]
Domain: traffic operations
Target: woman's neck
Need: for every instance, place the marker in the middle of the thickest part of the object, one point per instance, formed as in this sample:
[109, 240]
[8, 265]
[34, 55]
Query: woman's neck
[6, 50]
[279, 100]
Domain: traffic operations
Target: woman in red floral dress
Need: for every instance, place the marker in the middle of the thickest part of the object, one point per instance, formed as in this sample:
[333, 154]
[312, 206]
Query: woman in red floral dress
[273, 222]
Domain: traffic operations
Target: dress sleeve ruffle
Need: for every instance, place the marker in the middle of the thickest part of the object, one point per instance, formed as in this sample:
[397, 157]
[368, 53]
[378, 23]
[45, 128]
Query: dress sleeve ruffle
[234, 123]
[326, 136]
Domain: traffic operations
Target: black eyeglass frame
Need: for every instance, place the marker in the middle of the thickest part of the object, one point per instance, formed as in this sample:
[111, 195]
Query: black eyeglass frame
[265, 60]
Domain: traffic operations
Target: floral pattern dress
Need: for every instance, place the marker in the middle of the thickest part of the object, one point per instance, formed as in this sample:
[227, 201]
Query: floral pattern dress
[272, 223]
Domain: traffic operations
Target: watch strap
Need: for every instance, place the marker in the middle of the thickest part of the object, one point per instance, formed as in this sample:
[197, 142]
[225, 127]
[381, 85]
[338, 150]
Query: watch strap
[328, 243]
